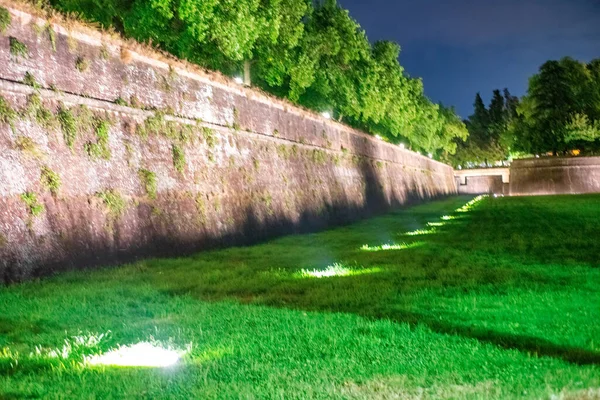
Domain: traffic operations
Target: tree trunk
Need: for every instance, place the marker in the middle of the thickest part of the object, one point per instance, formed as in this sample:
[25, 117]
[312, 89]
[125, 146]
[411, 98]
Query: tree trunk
[247, 79]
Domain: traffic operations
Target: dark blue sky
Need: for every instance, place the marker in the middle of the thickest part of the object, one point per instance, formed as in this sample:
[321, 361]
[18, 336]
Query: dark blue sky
[461, 47]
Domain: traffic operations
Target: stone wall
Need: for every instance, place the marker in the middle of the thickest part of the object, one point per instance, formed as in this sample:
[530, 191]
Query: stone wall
[482, 181]
[535, 176]
[108, 153]
[553, 175]
[485, 184]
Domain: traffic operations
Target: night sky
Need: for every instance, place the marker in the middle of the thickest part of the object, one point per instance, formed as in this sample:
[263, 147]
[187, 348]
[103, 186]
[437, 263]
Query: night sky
[461, 47]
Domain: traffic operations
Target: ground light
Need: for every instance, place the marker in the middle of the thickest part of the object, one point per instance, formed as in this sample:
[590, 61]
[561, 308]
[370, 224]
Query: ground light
[418, 232]
[336, 269]
[238, 80]
[467, 207]
[143, 354]
[390, 246]
[326, 115]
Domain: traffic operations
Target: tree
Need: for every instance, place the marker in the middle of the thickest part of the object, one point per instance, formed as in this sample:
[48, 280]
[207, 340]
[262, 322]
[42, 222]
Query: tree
[555, 95]
[312, 53]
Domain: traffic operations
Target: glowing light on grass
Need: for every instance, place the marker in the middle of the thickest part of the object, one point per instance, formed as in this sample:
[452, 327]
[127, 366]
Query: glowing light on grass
[143, 354]
[448, 217]
[469, 206]
[238, 80]
[390, 246]
[326, 115]
[436, 224]
[418, 232]
[336, 270]
[402, 146]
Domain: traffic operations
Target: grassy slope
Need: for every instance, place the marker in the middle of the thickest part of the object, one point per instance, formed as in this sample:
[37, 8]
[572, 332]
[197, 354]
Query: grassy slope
[500, 301]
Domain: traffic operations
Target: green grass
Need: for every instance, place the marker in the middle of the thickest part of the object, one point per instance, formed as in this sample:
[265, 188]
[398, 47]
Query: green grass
[500, 300]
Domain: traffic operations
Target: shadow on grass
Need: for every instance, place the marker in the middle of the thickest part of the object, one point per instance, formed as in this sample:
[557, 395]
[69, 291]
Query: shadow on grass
[532, 345]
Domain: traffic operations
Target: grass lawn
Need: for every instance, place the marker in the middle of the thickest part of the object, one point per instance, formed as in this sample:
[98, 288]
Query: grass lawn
[497, 300]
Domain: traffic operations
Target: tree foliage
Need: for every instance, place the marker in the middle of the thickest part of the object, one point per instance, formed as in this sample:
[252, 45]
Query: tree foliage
[490, 131]
[312, 53]
[561, 110]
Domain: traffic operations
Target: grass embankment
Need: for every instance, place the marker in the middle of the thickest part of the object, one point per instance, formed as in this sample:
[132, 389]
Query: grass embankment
[501, 300]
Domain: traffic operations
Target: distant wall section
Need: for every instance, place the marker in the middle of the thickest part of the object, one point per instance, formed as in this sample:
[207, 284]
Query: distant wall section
[535, 176]
[546, 176]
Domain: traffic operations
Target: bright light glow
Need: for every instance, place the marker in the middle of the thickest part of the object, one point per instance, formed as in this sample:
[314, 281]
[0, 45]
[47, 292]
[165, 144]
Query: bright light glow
[418, 232]
[402, 146]
[471, 204]
[143, 354]
[378, 137]
[336, 270]
[238, 80]
[390, 246]
[326, 115]
[448, 217]
[435, 224]
[430, 155]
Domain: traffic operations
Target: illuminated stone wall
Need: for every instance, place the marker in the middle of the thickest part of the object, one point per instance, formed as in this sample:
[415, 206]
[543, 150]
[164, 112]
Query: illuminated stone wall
[485, 184]
[535, 176]
[108, 153]
[546, 176]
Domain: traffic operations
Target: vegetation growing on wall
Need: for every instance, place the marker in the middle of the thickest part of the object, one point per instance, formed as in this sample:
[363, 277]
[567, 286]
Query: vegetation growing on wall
[26, 144]
[30, 80]
[7, 114]
[82, 64]
[68, 125]
[5, 19]
[33, 206]
[114, 202]
[50, 180]
[35, 110]
[100, 148]
[18, 49]
[51, 35]
[178, 158]
[148, 179]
